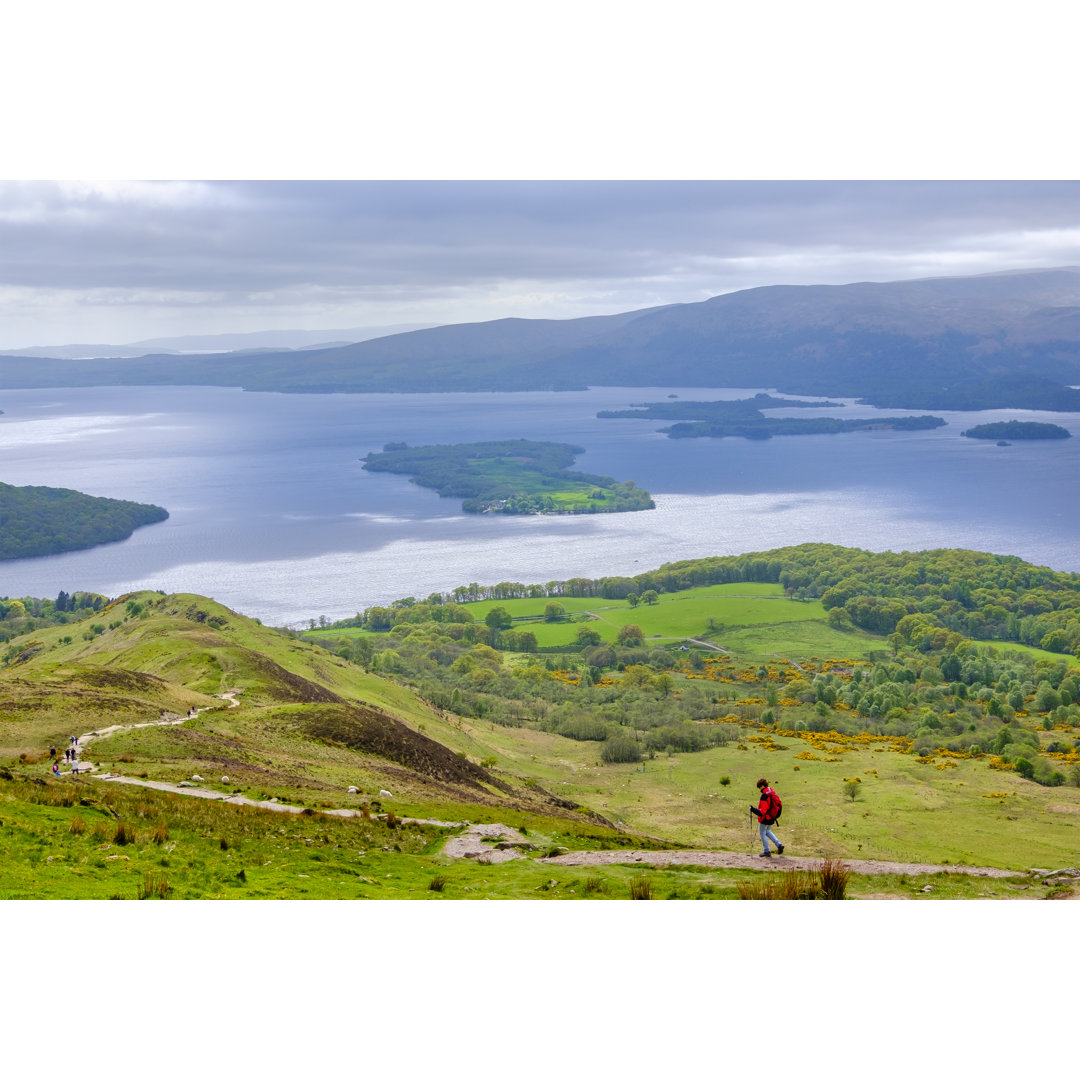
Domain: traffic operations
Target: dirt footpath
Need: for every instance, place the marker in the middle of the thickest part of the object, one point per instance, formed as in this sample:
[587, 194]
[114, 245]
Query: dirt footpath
[734, 860]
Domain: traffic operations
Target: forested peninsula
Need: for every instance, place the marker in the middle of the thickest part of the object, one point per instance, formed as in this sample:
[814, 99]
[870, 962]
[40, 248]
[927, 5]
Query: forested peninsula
[744, 418]
[514, 476]
[1017, 429]
[46, 521]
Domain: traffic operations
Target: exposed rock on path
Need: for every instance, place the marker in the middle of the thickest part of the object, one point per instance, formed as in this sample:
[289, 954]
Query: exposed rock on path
[472, 844]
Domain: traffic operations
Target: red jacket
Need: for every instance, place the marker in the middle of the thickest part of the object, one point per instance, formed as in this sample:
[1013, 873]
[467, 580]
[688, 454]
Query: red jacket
[765, 807]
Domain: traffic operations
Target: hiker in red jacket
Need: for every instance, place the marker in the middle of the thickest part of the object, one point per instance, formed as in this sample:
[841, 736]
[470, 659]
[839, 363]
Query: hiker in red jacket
[767, 811]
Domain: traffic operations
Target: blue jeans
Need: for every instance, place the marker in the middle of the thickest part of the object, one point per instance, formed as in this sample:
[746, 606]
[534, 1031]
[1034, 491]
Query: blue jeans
[766, 834]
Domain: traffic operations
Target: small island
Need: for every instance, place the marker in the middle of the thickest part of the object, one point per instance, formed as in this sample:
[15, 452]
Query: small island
[1006, 430]
[46, 521]
[744, 418]
[514, 476]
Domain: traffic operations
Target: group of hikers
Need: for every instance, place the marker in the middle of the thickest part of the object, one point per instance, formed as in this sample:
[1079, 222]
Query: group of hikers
[71, 755]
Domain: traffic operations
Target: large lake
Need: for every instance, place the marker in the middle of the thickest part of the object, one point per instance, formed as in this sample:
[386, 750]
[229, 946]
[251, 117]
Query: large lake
[272, 514]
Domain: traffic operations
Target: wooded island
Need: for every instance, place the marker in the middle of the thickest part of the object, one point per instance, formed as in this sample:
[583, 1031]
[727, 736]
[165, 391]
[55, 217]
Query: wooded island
[514, 476]
[744, 418]
[1017, 429]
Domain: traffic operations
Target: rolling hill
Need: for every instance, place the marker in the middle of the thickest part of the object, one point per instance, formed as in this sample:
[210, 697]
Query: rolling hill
[305, 721]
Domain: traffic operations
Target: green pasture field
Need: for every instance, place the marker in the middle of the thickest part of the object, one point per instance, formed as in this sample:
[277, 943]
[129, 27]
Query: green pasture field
[797, 641]
[534, 606]
[750, 618]
[1030, 650]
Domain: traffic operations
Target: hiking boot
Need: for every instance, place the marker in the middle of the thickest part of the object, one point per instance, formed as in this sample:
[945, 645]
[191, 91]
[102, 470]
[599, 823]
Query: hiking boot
[765, 855]
[779, 849]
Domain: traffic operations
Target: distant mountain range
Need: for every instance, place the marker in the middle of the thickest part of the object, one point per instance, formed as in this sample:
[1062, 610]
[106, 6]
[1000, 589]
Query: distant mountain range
[993, 340]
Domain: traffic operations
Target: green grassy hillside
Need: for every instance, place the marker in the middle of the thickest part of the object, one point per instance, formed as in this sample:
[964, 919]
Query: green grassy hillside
[876, 755]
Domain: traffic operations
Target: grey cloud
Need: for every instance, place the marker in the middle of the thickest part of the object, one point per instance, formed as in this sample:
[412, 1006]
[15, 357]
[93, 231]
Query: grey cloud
[261, 243]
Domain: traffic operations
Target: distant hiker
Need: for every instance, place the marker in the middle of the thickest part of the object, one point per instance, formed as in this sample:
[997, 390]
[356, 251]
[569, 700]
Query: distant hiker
[767, 812]
[52, 751]
[67, 756]
[56, 768]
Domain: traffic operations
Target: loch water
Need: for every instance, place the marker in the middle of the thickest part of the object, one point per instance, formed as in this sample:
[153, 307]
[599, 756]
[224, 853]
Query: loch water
[272, 514]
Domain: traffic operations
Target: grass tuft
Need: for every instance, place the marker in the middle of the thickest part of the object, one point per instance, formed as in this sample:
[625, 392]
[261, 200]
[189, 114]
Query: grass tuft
[124, 834]
[833, 876]
[154, 887]
[77, 825]
[640, 888]
[791, 885]
[438, 883]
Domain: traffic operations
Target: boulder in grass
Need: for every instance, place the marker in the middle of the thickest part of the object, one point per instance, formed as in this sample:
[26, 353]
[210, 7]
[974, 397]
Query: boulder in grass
[197, 779]
[354, 791]
[385, 795]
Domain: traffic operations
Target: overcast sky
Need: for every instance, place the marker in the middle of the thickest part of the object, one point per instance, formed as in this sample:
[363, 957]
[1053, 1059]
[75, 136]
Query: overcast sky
[118, 262]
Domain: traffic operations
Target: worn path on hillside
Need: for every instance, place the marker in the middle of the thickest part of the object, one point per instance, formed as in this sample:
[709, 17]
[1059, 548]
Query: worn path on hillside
[83, 767]
[736, 860]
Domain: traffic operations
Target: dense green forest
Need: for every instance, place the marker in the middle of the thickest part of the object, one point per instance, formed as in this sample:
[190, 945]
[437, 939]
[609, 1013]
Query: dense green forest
[515, 476]
[1017, 429]
[717, 419]
[45, 521]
